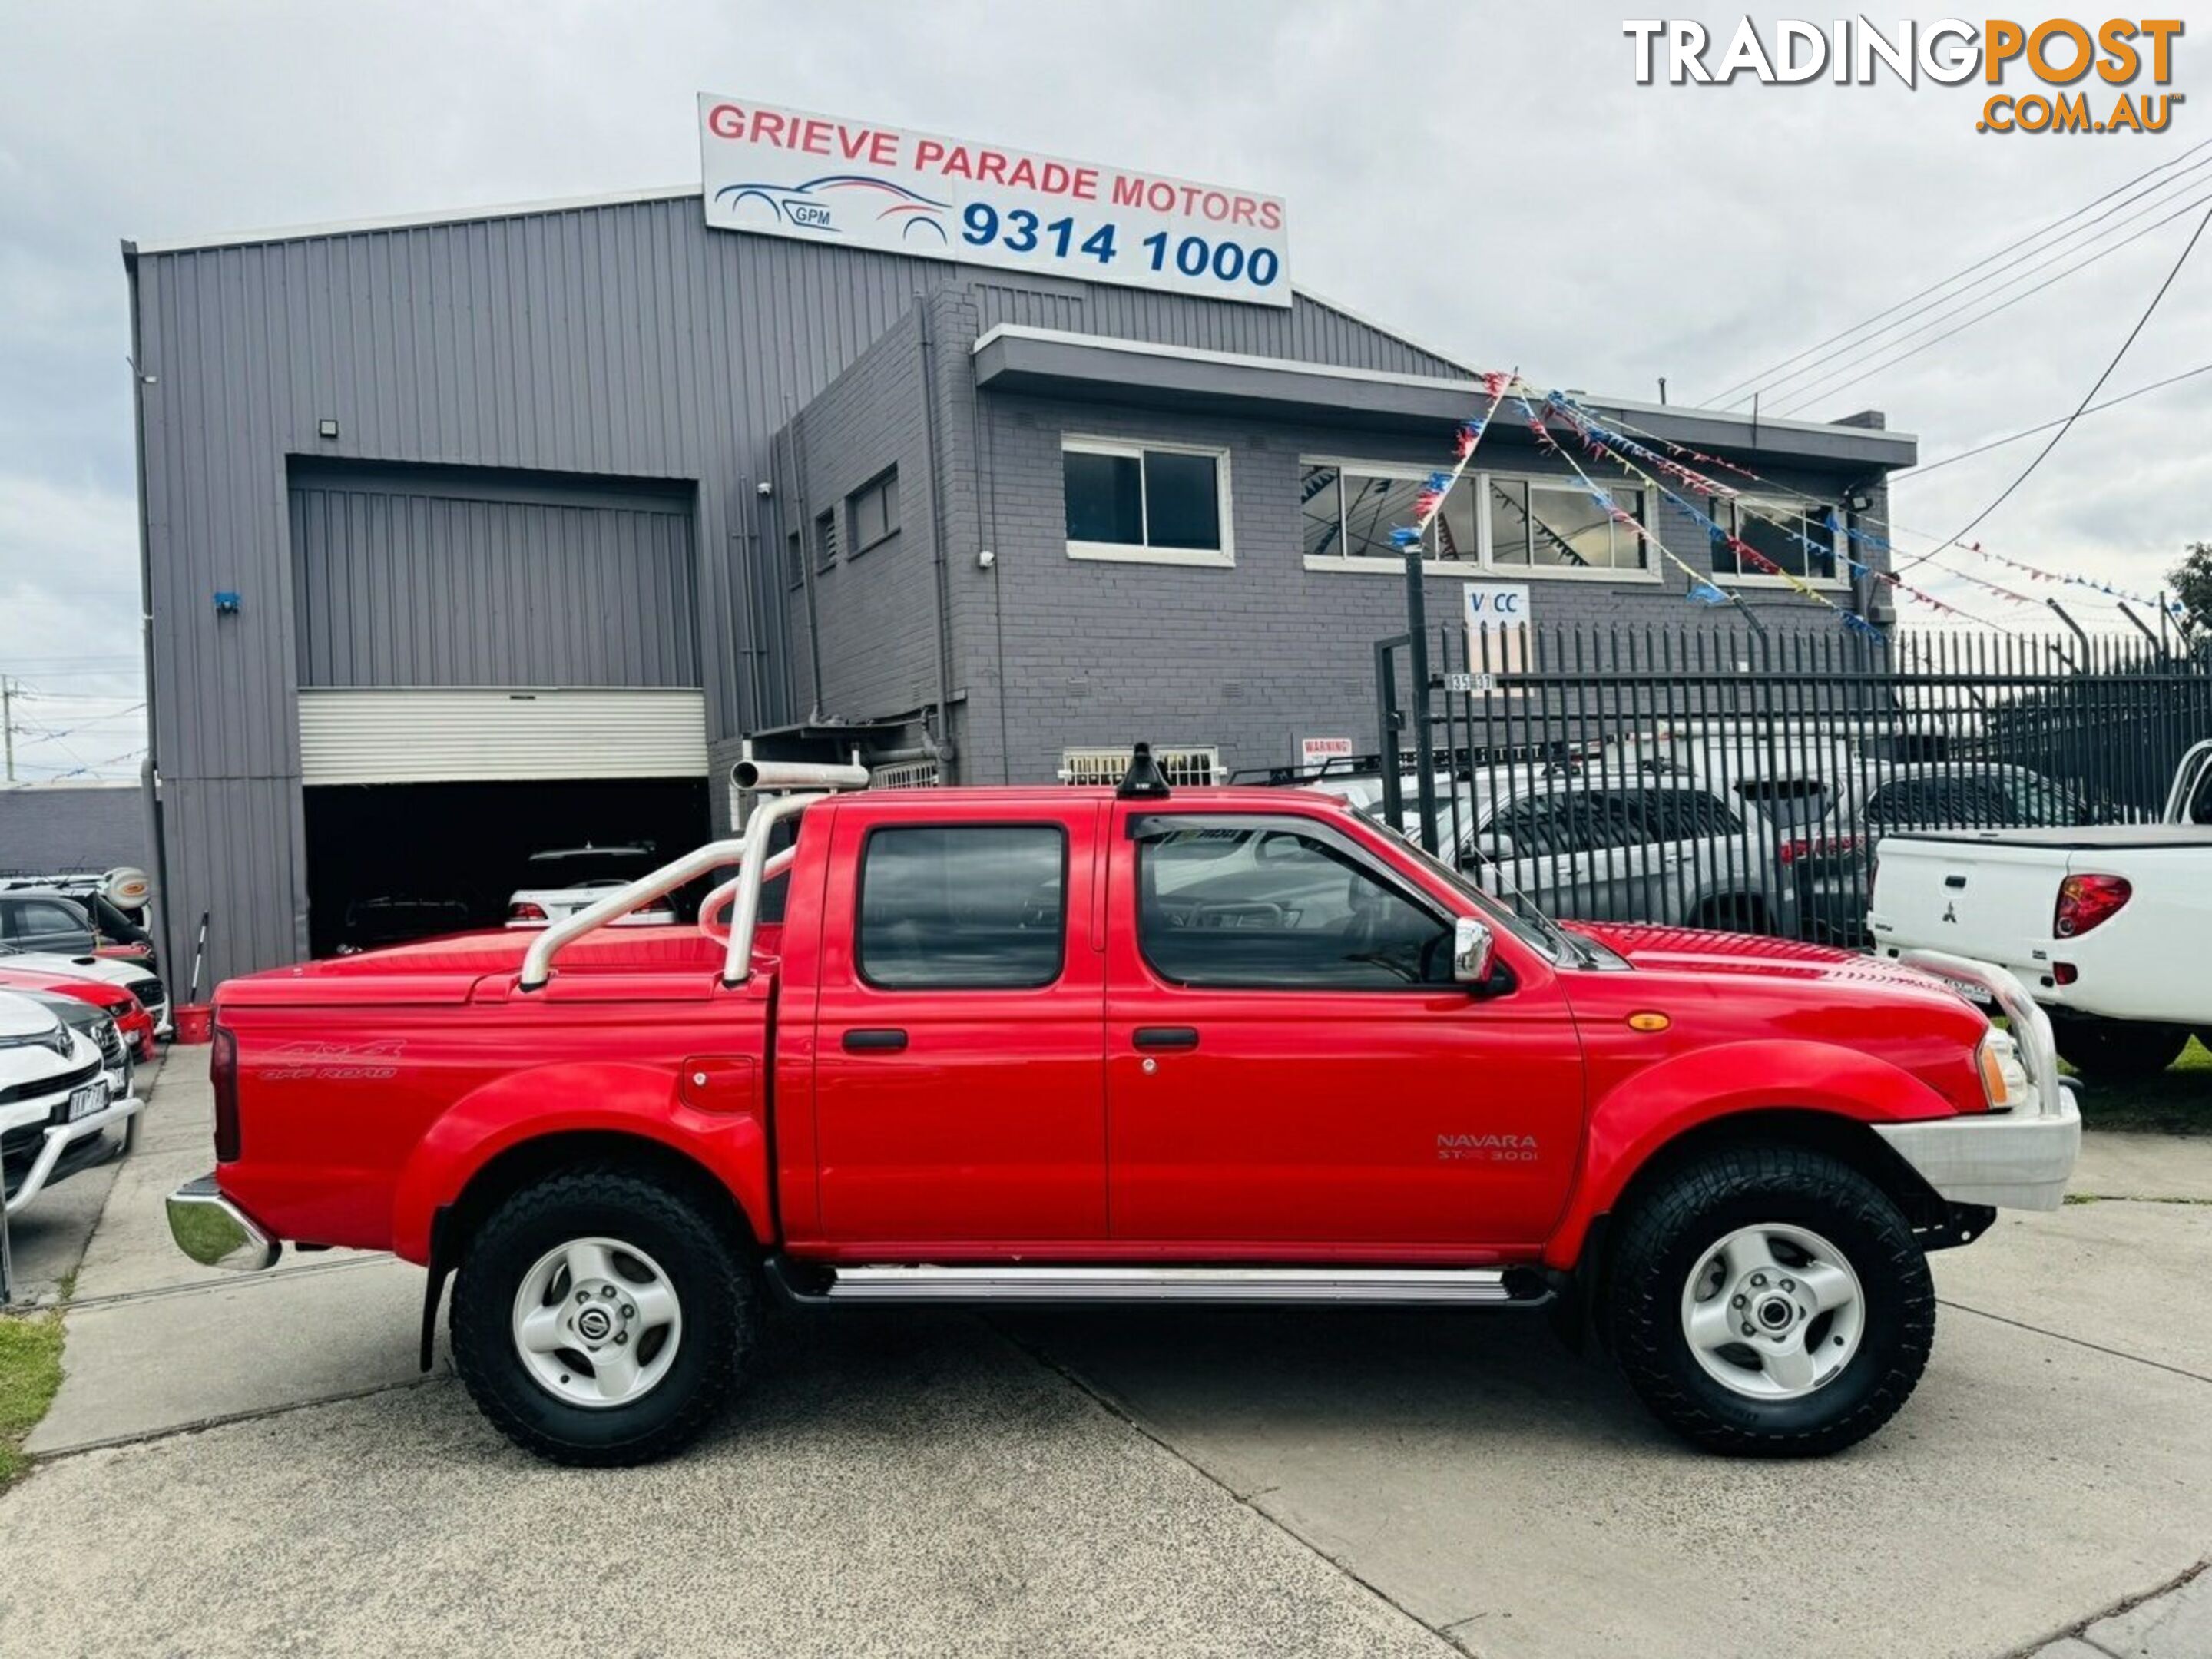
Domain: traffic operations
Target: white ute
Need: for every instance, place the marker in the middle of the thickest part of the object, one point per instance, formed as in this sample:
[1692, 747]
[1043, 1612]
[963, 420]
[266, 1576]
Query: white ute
[2106, 926]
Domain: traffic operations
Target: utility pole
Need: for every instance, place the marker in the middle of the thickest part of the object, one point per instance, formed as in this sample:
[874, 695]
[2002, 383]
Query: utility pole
[7, 722]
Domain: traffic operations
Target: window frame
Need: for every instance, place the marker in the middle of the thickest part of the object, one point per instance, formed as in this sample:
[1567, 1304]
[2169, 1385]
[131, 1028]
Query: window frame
[1404, 887]
[1776, 505]
[1221, 558]
[825, 538]
[886, 484]
[1484, 560]
[860, 902]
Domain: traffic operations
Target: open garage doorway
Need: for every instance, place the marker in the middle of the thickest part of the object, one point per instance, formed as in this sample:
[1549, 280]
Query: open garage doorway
[387, 862]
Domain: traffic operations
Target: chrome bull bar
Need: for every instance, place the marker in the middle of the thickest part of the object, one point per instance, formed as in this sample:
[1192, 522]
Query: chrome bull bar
[2031, 1026]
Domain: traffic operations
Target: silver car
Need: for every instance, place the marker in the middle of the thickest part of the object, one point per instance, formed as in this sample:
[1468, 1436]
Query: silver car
[1614, 847]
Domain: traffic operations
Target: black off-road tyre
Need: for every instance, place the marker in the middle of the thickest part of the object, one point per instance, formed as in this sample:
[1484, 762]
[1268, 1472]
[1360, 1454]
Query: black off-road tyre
[1674, 1227]
[710, 1268]
[2119, 1050]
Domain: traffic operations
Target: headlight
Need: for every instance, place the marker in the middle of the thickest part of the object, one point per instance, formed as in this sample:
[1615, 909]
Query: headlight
[2004, 1079]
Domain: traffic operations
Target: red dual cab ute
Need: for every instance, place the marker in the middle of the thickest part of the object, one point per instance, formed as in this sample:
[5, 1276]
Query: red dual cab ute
[1067, 1045]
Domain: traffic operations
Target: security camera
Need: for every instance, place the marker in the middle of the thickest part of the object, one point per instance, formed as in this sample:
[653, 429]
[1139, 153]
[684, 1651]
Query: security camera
[985, 559]
[763, 488]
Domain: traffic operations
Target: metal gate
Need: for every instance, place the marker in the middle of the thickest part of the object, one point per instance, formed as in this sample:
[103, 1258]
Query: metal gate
[1718, 778]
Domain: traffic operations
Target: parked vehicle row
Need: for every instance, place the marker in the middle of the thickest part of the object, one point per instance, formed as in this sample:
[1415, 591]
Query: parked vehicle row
[1104, 1045]
[65, 1085]
[53, 937]
[1779, 838]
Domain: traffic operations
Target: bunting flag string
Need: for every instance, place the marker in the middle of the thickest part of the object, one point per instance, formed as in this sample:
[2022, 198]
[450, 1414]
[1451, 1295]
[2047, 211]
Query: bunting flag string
[1576, 415]
[2167, 603]
[1429, 499]
[1702, 590]
[1746, 553]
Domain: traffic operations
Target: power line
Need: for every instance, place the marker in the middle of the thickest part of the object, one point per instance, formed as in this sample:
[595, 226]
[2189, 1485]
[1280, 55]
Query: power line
[1763, 376]
[2043, 259]
[2087, 396]
[1827, 387]
[2029, 432]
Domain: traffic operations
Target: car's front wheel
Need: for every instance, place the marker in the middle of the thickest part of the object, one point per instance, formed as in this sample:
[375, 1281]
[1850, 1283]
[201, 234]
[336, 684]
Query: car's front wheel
[600, 1318]
[1771, 1301]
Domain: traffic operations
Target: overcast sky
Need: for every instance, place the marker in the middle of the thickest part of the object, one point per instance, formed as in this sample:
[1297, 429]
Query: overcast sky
[1486, 177]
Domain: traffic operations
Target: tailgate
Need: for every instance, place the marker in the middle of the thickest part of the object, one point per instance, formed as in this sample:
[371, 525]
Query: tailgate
[1987, 899]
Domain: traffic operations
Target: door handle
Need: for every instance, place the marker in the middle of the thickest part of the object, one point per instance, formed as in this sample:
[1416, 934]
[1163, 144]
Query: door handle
[886, 1039]
[1167, 1036]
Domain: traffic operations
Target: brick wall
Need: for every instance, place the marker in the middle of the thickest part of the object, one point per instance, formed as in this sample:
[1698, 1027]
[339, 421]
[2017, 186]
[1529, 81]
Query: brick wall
[1248, 659]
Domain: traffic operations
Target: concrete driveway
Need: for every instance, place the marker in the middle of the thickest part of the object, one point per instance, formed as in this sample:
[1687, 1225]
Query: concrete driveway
[1140, 1482]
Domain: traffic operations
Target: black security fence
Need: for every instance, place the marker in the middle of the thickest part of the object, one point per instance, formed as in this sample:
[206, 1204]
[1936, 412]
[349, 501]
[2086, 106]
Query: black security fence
[1736, 779]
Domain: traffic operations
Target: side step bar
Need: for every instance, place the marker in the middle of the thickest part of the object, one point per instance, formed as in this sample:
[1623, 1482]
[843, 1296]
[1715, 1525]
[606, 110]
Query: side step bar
[1134, 1283]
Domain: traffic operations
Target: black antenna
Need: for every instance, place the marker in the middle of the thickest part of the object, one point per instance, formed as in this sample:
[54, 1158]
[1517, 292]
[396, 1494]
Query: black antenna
[1143, 781]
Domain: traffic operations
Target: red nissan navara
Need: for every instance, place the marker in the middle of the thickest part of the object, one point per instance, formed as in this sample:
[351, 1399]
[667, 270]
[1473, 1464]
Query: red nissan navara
[1074, 1045]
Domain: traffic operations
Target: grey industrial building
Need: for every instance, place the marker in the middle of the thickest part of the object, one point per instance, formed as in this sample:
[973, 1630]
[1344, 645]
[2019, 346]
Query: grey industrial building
[470, 534]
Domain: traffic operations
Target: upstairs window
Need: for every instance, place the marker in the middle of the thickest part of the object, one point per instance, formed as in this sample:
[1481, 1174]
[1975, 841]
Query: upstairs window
[1538, 524]
[872, 510]
[794, 561]
[825, 538]
[1780, 531]
[1349, 513]
[1146, 502]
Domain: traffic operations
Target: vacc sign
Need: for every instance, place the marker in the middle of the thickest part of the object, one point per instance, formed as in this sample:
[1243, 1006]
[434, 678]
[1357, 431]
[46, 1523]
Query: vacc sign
[864, 184]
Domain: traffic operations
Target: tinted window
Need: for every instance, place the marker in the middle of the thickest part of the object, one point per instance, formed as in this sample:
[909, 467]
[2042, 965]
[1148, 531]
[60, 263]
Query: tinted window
[963, 907]
[1683, 814]
[1105, 498]
[1539, 827]
[1574, 821]
[1180, 506]
[1263, 907]
[35, 917]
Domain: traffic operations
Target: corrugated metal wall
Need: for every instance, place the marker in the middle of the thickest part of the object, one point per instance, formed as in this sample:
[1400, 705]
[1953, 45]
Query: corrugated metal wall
[415, 578]
[625, 341]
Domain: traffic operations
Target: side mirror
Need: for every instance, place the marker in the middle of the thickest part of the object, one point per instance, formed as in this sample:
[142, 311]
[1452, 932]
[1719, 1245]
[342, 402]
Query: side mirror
[1472, 944]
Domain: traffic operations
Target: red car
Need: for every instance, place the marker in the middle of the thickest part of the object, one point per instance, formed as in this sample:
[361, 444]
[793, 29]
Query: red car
[130, 1015]
[1092, 1046]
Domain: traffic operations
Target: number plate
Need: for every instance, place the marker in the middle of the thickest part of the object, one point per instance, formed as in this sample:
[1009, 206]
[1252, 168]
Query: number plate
[83, 1102]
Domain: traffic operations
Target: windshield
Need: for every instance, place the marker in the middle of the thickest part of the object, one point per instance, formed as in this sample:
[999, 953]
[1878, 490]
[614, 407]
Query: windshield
[1514, 910]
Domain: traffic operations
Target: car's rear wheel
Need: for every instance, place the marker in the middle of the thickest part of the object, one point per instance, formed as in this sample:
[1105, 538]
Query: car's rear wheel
[1771, 1301]
[2123, 1050]
[600, 1318]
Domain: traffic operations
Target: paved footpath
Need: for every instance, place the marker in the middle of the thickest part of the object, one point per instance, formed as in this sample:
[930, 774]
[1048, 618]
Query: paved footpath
[252, 1464]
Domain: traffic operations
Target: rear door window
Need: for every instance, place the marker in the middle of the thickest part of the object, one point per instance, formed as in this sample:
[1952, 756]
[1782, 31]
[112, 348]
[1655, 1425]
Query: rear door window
[1668, 815]
[962, 907]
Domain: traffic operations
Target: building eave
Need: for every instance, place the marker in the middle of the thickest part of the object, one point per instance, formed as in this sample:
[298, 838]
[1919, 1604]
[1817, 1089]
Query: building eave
[1054, 363]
